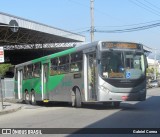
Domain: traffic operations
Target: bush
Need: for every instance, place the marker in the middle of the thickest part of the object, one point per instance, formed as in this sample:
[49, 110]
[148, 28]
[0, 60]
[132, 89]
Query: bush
[4, 68]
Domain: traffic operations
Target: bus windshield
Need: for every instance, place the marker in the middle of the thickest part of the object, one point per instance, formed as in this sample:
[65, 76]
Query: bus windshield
[122, 64]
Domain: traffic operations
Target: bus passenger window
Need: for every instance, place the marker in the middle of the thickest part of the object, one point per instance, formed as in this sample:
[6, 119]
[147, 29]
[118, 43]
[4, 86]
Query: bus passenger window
[54, 67]
[36, 70]
[76, 57]
[25, 72]
[63, 64]
[30, 71]
[74, 67]
[76, 62]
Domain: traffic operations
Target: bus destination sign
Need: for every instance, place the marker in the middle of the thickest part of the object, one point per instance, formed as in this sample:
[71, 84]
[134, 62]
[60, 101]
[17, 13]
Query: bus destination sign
[117, 45]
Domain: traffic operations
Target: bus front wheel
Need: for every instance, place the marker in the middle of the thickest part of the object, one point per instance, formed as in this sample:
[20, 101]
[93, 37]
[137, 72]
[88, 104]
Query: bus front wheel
[73, 98]
[78, 101]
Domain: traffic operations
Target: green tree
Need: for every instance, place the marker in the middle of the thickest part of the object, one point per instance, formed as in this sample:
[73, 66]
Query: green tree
[4, 68]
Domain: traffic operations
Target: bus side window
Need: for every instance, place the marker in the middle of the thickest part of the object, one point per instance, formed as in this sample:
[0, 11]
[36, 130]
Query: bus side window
[74, 67]
[36, 70]
[25, 72]
[76, 62]
[63, 64]
[30, 71]
[54, 67]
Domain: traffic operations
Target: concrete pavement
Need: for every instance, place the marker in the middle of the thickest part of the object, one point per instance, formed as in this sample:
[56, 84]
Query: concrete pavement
[9, 106]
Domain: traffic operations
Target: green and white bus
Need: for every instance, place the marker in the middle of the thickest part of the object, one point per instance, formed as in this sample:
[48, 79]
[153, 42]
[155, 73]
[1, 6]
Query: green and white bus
[102, 71]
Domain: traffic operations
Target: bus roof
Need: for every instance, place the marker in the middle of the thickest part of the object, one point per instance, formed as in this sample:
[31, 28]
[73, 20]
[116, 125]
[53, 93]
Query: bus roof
[58, 54]
[71, 50]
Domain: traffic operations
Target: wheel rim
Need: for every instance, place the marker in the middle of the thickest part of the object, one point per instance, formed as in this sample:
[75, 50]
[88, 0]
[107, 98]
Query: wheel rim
[73, 99]
[78, 101]
[27, 96]
[33, 98]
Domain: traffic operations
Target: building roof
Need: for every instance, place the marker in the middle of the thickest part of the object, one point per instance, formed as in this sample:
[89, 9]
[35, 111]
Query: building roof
[31, 32]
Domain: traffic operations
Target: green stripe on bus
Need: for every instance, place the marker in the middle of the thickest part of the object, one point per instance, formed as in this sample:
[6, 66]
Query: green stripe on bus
[54, 81]
[32, 83]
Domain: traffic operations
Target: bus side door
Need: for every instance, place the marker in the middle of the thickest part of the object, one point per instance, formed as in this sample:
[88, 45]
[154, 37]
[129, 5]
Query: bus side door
[45, 76]
[20, 80]
[90, 72]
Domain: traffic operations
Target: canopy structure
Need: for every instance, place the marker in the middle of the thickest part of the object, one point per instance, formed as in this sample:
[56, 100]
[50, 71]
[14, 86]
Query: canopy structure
[31, 32]
[27, 34]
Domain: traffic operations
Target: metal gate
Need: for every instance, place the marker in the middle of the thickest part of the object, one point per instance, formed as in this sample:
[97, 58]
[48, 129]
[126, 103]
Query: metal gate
[8, 87]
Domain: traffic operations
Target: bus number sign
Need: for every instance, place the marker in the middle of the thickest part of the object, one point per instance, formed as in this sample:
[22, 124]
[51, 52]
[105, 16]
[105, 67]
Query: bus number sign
[120, 45]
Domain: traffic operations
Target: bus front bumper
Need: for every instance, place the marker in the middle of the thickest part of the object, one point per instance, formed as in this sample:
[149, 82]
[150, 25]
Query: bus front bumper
[122, 96]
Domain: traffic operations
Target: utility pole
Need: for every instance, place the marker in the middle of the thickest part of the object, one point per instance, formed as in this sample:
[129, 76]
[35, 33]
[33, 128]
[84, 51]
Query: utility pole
[1, 61]
[155, 64]
[92, 20]
[1, 106]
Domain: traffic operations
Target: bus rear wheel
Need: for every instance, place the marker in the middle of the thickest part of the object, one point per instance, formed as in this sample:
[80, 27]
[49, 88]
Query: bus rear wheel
[26, 97]
[33, 101]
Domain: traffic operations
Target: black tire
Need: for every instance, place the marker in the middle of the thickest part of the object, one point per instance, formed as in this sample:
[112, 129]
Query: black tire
[33, 101]
[78, 101]
[26, 98]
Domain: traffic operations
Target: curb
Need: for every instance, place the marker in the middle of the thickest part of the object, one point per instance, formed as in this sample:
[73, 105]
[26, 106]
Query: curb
[9, 111]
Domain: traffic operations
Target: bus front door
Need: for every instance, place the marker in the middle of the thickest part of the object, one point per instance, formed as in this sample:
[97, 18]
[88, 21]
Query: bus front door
[20, 78]
[91, 76]
[45, 73]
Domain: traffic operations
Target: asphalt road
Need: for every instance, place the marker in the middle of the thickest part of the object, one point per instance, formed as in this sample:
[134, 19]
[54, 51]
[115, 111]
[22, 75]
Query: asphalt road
[144, 114]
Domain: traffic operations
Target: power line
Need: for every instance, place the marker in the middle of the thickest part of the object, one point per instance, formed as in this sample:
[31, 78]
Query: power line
[127, 25]
[129, 29]
[138, 3]
[147, 8]
[80, 29]
[152, 4]
[139, 28]
[87, 29]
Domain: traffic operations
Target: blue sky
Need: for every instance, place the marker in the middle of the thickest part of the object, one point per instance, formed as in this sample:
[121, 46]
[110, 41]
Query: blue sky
[74, 15]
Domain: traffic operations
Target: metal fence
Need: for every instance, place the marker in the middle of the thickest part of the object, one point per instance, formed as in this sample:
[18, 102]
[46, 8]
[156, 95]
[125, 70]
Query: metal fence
[8, 88]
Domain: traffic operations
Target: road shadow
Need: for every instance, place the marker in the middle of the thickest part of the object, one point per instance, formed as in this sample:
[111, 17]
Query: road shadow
[143, 114]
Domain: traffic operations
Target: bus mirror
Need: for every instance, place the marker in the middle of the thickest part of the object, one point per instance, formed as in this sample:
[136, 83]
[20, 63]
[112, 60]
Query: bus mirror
[146, 62]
